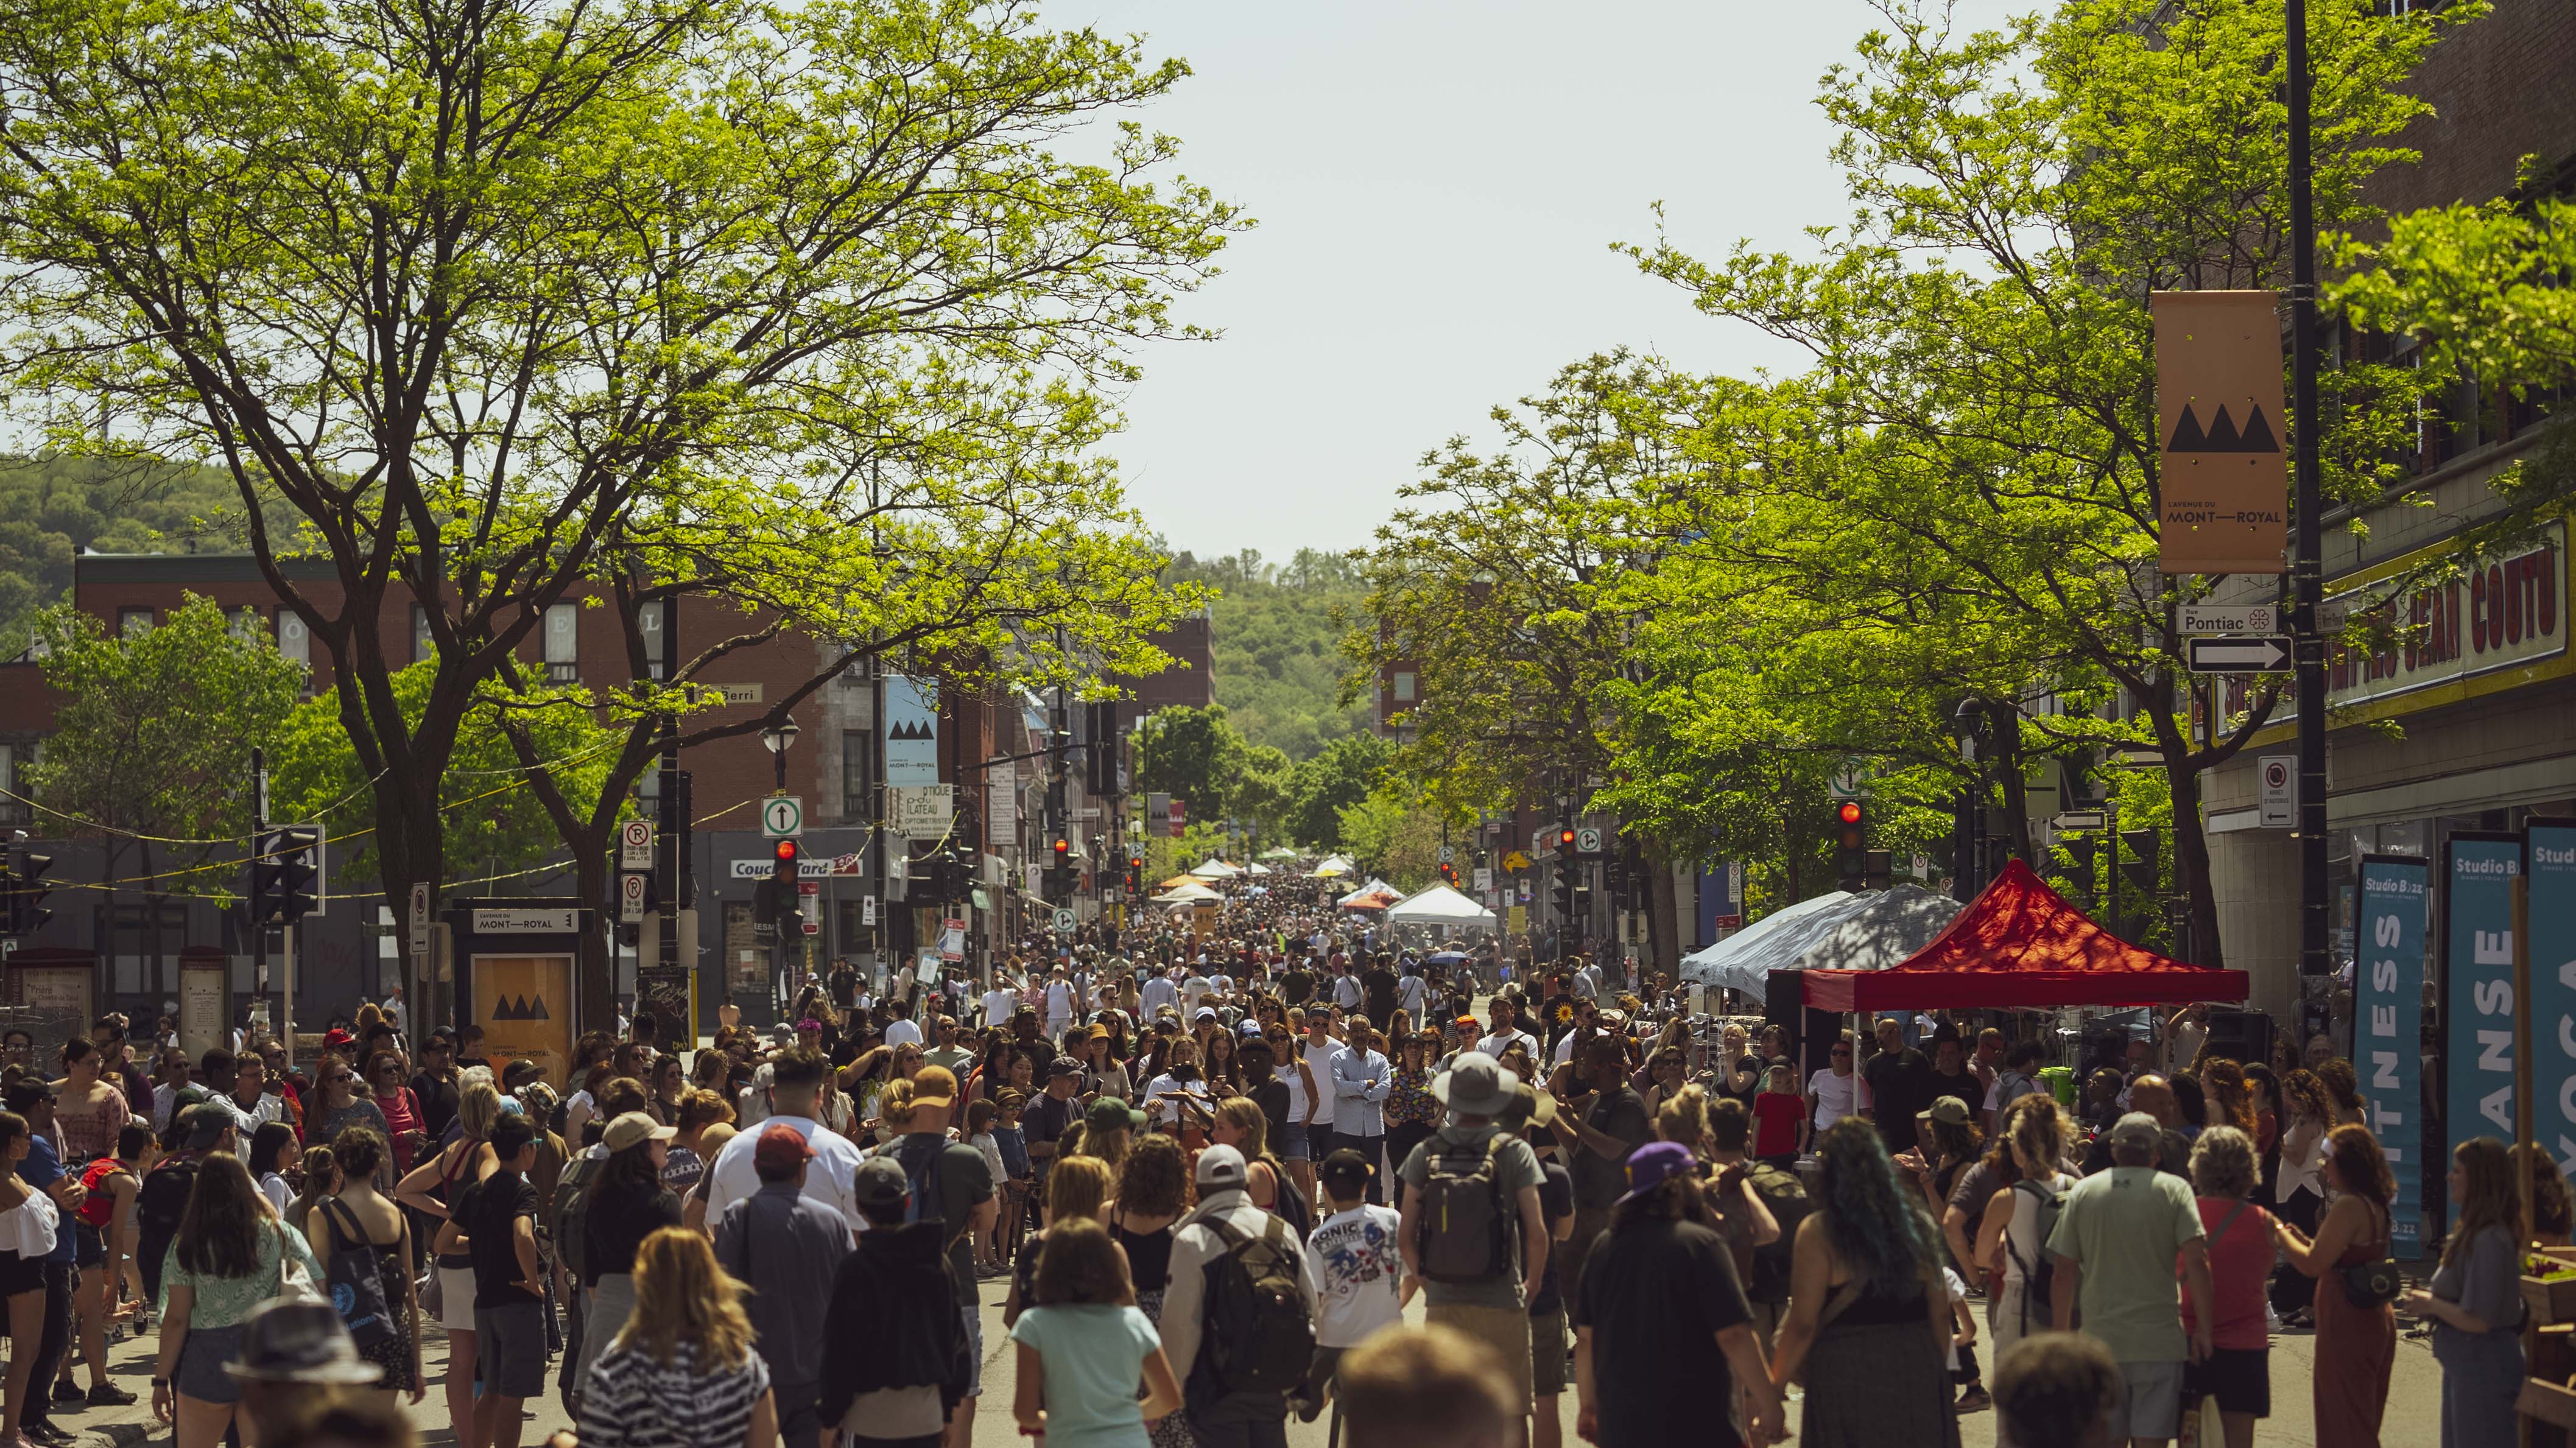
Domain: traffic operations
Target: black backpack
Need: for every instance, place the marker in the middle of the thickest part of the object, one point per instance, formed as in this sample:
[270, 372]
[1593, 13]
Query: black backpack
[357, 1286]
[1786, 1196]
[1467, 1236]
[567, 1215]
[1261, 1339]
[162, 1199]
[2038, 1279]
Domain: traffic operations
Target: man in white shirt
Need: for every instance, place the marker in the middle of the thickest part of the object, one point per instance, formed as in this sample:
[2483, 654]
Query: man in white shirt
[1310, 1113]
[1194, 990]
[999, 1002]
[1412, 991]
[1346, 987]
[1059, 1004]
[796, 1079]
[1506, 1031]
[1587, 982]
[1353, 1270]
[898, 1032]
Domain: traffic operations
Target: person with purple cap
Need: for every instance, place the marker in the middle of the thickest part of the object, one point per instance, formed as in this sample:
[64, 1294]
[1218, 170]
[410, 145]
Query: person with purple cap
[1661, 1328]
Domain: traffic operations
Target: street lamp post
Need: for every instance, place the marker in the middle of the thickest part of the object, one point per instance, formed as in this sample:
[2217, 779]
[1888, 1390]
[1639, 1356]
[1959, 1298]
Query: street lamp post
[1971, 866]
[777, 739]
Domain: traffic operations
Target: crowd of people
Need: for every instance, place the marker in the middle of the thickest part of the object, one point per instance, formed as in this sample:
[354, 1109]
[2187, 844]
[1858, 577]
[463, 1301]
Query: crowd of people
[1208, 1174]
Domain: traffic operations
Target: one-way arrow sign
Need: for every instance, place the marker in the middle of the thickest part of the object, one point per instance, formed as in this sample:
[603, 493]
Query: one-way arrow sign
[2239, 656]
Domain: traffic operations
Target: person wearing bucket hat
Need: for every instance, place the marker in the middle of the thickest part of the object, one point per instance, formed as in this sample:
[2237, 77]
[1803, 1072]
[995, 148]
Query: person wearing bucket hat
[293, 1355]
[1474, 1234]
[1661, 1325]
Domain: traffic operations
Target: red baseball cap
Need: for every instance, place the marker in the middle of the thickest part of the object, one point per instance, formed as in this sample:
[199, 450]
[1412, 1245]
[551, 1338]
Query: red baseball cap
[780, 1149]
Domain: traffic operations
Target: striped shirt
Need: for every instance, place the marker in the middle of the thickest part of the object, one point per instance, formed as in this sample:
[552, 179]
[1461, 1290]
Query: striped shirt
[631, 1401]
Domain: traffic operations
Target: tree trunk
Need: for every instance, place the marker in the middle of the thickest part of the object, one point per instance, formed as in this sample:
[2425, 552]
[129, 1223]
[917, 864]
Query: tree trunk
[596, 886]
[1663, 920]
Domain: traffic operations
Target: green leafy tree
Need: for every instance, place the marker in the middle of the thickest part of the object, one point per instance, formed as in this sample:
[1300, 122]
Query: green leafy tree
[153, 734]
[1278, 630]
[1319, 789]
[1392, 835]
[793, 310]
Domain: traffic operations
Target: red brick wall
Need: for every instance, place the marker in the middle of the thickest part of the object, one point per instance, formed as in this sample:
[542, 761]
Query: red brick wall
[2501, 88]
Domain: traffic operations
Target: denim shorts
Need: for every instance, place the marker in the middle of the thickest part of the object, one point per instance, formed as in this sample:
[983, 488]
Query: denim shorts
[1294, 1146]
[201, 1372]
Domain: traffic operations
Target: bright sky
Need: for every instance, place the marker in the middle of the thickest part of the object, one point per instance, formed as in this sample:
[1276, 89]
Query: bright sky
[1437, 184]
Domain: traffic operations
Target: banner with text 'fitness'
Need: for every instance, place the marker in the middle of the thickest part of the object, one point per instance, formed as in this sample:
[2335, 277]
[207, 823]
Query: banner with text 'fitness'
[2551, 858]
[2387, 1013]
[2478, 871]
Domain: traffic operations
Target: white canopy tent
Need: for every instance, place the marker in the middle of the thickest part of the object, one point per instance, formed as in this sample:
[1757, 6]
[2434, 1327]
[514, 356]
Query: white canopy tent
[1869, 931]
[1186, 894]
[1439, 905]
[1256, 868]
[1215, 869]
[1375, 886]
[1714, 965]
[1335, 865]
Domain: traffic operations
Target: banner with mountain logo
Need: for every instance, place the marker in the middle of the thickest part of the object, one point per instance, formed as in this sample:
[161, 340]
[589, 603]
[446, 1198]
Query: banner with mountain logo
[2224, 471]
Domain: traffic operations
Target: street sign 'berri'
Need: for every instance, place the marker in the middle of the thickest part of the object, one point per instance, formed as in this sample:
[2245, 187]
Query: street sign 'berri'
[2223, 475]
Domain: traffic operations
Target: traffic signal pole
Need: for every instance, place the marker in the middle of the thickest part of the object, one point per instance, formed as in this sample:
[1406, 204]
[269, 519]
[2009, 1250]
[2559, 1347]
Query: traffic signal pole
[258, 894]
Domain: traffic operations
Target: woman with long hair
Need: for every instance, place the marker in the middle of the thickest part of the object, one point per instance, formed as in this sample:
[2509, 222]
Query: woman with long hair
[1153, 1192]
[1239, 1122]
[28, 1222]
[228, 1258]
[1110, 1127]
[681, 1369]
[2299, 1182]
[343, 1106]
[1868, 1326]
[628, 1204]
[429, 1188]
[1220, 1068]
[669, 1086]
[2343, 1089]
[1103, 1073]
[687, 1158]
[1079, 1345]
[2356, 1346]
[399, 1103]
[2009, 1239]
[360, 1219]
[2263, 1096]
[89, 1110]
[2475, 1300]
[1078, 1189]
[2225, 1098]
[271, 1156]
[321, 1179]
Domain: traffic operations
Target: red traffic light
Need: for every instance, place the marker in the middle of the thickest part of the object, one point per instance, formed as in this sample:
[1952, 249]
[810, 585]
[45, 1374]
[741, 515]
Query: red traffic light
[786, 852]
[1063, 847]
[1848, 812]
[1565, 839]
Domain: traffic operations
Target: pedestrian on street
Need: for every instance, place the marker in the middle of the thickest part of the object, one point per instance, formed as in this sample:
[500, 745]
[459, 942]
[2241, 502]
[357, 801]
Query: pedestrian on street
[2475, 1300]
[1868, 1329]
[223, 1265]
[1236, 1307]
[2115, 1243]
[1900, 1084]
[2356, 1344]
[1834, 1092]
[2237, 1371]
[626, 1203]
[948, 1180]
[2015, 1221]
[1152, 1193]
[1353, 1272]
[28, 1221]
[2056, 1390]
[42, 1168]
[1362, 1080]
[494, 1222]
[1474, 1232]
[296, 1358]
[786, 1248]
[1084, 1345]
[1662, 1330]
[795, 1091]
[1312, 1101]
[890, 1380]
[681, 1372]
[360, 1220]
[1608, 1121]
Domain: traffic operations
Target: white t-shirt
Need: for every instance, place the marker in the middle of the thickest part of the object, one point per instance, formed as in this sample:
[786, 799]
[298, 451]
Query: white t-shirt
[1500, 1041]
[1352, 1271]
[827, 1177]
[1319, 1062]
[902, 1032]
[1194, 990]
[1156, 994]
[1836, 1096]
[1346, 991]
[998, 1005]
[1409, 994]
[1059, 998]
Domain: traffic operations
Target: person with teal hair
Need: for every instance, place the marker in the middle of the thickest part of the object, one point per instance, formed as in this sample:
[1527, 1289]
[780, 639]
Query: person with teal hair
[1868, 1326]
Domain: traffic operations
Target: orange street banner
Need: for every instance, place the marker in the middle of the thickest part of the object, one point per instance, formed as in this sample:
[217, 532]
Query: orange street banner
[2225, 476]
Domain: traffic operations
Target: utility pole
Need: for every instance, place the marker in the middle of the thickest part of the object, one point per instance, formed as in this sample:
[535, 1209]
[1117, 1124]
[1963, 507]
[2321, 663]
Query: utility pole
[677, 955]
[2308, 568]
[258, 908]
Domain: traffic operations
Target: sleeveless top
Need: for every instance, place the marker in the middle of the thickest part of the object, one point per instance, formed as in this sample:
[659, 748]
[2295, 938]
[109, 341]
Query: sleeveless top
[2018, 1246]
[1149, 1255]
[1878, 1307]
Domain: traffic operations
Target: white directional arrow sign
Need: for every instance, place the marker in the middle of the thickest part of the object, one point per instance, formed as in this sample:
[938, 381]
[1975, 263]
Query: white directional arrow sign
[2240, 656]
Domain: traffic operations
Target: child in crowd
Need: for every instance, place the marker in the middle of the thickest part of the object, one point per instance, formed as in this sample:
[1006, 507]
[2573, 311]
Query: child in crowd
[1084, 1345]
[1353, 1271]
[1014, 1146]
[980, 1114]
[1779, 1116]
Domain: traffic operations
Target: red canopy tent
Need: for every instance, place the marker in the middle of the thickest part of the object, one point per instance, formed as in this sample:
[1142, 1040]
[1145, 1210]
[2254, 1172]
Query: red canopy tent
[2019, 944]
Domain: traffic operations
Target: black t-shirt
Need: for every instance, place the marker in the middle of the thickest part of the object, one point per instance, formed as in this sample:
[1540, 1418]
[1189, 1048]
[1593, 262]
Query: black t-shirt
[1045, 1121]
[615, 1224]
[1655, 1296]
[1295, 986]
[1377, 983]
[1555, 1203]
[438, 1099]
[1900, 1084]
[1272, 1097]
[1962, 1085]
[1556, 1014]
[487, 1213]
[1598, 1180]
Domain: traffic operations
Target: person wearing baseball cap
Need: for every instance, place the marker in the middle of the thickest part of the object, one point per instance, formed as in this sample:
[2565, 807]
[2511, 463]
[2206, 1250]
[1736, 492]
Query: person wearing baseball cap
[1490, 1305]
[1660, 1322]
[786, 1247]
[1354, 1271]
[952, 1184]
[2111, 1223]
[906, 1368]
[1225, 1213]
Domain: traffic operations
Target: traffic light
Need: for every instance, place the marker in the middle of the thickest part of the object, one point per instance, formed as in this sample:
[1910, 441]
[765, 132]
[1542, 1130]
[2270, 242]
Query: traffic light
[786, 910]
[1449, 872]
[25, 883]
[1851, 843]
[285, 875]
[1565, 840]
[2141, 864]
[2080, 864]
[1060, 872]
[1565, 889]
[1135, 874]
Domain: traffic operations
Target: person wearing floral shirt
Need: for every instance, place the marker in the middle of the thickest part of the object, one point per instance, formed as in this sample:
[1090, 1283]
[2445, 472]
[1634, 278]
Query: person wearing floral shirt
[1411, 1110]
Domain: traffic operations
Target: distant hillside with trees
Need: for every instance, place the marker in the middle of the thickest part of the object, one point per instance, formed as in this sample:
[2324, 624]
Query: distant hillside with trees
[53, 508]
[1278, 645]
